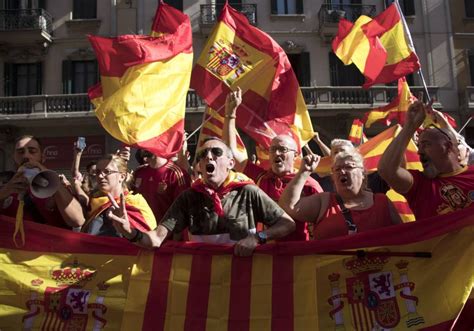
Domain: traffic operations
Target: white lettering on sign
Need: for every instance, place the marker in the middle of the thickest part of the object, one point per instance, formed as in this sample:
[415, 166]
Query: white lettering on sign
[50, 152]
[94, 149]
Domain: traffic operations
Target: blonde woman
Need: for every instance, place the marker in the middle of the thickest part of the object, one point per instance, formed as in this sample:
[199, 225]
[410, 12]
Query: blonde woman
[111, 174]
[351, 209]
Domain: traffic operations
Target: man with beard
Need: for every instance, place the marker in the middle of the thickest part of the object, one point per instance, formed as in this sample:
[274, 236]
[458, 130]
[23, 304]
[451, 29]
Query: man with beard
[444, 185]
[222, 207]
[282, 154]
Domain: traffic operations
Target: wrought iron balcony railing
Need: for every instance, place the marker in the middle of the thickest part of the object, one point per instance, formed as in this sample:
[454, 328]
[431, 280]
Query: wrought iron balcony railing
[321, 97]
[25, 19]
[332, 13]
[209, 13]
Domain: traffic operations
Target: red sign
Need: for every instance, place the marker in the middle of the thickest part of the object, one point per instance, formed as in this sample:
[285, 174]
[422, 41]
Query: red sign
[58, 152]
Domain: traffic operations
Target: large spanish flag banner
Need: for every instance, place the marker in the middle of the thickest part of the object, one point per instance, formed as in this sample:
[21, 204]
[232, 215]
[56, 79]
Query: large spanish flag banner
[141, 100]
[238, 54]
[411, 276]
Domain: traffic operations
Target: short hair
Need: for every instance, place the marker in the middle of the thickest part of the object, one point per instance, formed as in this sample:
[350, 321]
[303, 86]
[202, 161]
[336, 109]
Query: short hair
[353, 156]
[90, 165]
[141, 154]
[341, 143]
[227, 148]
[28, 136]
[121, 166]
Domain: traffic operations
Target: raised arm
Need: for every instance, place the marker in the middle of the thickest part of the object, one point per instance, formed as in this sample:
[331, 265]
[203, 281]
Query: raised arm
[390, 165]
[324, 148]
[298, 207]
[229, 132]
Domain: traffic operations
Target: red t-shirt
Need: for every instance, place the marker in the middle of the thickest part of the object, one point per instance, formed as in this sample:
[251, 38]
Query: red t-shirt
[274, 186]
[441, 195]
[333, 223]
[44, 211]
[161, 186]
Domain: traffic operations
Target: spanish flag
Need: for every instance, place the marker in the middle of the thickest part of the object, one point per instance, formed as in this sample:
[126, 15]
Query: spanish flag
[356, 134]
[395, 110]
[401, 58]
[144, 83]
[239, 55]
[410, 276]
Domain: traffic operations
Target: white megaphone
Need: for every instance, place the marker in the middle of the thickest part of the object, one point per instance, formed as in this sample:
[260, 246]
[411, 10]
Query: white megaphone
[43, 184]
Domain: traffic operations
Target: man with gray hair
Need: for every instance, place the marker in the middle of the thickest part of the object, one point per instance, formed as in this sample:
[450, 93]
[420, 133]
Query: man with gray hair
[445, 185]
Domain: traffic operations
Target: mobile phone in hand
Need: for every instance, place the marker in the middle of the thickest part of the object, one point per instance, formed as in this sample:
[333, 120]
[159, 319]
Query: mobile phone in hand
[81, 143]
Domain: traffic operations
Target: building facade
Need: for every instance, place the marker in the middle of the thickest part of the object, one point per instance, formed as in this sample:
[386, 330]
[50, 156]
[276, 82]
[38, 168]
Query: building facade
[47, 64]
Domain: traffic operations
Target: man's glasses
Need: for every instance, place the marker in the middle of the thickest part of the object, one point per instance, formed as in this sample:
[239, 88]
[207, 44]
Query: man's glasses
[216, 151]
[439, 130]
[346, 168]
[281, 149]
[105, 172]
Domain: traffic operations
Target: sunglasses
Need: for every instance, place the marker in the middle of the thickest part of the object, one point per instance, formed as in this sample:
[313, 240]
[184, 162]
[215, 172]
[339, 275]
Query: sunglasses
[216, 151]
[105, 172]
[281, 149]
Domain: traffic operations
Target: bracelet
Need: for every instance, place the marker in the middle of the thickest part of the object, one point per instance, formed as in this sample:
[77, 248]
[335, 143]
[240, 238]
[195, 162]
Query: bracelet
[230, 116]
[137, 237]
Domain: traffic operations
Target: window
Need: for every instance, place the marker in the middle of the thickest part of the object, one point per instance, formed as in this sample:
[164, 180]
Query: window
[300, 64]
[178, 4]
[407, 6]
[22, 79]
[78, 76]
[469, 4]
[84, 9]
[342, 75]
[236, 4]
[471, 66]
[287, 7]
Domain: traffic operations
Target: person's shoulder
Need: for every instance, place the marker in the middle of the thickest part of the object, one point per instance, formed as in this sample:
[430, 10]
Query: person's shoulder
[253, 170]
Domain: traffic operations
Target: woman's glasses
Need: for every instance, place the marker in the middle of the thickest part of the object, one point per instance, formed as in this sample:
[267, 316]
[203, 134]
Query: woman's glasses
[216, 151]
[105, 172]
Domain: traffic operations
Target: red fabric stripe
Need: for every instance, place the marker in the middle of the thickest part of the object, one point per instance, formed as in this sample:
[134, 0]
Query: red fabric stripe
[412, 156]
[382, 22]
[95, 91]
[157, 302]
[372, 161]
[198, 293]
[343, 29]
[402, 207]
[394, 71]
[116, 55]
[165, 144]
[209, 87]
[240, 286]
[465, 321]
[282, 294]
[168, 19]
[375, 59]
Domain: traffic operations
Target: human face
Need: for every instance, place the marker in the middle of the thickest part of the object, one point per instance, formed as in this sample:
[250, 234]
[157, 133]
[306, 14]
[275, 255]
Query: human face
[433, 149]
[282, 155]
[348, 177]
[27, 150]
[109, 179]
[214, 162]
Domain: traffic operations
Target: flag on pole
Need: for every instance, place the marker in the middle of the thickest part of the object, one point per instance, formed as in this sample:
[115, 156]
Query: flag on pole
[356, 134]
[238, 54]
[401, 58]
[128, 103]
[395, 110]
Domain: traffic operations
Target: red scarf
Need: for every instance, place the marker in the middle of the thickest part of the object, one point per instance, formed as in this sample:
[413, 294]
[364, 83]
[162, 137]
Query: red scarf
[233, 180]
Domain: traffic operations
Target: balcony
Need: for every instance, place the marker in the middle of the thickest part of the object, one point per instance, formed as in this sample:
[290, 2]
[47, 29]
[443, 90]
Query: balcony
[322, 98]
[330, 14]
[25, 26]
[209, 15]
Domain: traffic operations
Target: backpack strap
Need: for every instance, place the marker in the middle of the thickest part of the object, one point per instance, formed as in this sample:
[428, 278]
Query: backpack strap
[346, 213]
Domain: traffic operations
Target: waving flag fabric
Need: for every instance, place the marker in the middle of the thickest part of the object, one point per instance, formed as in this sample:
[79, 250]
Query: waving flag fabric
[401, 59]
[416, 275]
[395, 110]
[357, 135]
[131, 107]
[238, 54]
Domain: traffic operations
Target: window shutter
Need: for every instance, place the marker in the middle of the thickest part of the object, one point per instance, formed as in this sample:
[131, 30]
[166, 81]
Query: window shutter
[178, 4]
[305, 70]
[39, 78]
[67, 76]
[8, 72]
[299, 7]
[274, 9]
[469, 5]
[409, 7]
[333, 69]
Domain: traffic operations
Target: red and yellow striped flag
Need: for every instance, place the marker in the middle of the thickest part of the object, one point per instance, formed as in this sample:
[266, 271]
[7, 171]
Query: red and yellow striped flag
[356, 134]
[395, 110]
[237, 54]
[401, 58]
[133, 110]
[416, 275]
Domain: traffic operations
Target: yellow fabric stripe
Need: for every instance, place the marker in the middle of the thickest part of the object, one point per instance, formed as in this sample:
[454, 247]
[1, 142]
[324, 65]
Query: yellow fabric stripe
[395, 43]
[355, 46]
[261, 296]
[138, 291]
[374, 116]
[305, 291]
[396, 197]
[178, 292]
[219, 293]
[139, 111]
[302, 121]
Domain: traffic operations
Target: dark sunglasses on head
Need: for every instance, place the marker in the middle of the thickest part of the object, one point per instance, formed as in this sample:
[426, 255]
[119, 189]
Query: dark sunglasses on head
[216, 151]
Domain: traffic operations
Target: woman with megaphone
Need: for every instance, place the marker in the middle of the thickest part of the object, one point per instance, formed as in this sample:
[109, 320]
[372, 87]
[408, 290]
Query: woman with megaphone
[113, 194]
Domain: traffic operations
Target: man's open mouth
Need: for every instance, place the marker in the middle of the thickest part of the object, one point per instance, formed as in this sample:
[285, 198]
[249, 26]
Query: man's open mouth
[210, 168]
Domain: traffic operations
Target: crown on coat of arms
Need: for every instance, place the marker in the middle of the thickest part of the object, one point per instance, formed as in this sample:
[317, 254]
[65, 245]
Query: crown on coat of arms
[366, 264]
[334, 277]
[74, 274]
[402, 264]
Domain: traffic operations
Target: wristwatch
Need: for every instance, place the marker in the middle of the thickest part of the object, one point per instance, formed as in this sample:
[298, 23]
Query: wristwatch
[137, 237]
[262, 237]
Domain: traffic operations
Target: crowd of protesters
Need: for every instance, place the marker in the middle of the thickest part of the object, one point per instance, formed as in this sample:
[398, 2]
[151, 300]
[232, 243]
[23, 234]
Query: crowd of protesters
[226, 198]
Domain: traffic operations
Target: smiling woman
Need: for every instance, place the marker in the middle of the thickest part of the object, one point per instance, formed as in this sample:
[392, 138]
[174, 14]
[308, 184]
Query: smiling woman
[351, 209]
[111, 174]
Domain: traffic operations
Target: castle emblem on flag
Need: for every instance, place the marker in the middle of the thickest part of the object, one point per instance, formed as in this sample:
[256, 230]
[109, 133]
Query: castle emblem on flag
[228, 61]
[372, 295]
[67, 305]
